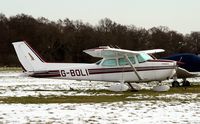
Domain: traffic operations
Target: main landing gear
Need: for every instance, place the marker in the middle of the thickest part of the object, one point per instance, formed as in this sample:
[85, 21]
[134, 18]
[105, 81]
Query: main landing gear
[185, 83]
[134, 87]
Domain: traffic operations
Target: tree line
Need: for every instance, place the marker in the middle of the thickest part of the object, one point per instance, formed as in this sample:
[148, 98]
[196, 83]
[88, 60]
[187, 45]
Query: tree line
[64, 40]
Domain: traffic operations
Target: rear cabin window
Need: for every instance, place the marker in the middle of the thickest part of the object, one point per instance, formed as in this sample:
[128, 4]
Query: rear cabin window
[123, 61]
[109, 62]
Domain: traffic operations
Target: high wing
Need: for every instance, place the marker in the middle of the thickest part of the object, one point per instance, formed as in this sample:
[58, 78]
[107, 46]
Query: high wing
[153, 51]
[182, 73]
[106, 51]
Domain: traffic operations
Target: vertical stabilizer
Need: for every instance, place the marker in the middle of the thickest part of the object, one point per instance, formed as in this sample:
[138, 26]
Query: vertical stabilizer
[29, 59]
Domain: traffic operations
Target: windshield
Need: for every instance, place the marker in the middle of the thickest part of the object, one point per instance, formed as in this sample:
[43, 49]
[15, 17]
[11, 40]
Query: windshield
[142, 57]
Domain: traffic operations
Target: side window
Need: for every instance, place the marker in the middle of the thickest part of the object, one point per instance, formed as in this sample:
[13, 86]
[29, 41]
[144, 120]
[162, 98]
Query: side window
[123, 61]
[132, 59]
[109, 62]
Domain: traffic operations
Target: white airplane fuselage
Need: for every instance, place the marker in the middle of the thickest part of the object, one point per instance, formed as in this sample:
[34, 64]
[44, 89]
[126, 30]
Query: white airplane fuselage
[161, 70]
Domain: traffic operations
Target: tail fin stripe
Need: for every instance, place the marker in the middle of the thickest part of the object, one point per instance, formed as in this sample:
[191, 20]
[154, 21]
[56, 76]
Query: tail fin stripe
[29, 59]
[34, 52]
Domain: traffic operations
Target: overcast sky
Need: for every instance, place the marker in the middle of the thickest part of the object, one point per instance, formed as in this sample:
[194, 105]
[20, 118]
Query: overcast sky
[179, 15]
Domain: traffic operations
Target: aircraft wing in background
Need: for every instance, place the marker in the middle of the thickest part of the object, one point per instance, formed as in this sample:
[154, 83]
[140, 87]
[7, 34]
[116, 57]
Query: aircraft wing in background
[183, 73]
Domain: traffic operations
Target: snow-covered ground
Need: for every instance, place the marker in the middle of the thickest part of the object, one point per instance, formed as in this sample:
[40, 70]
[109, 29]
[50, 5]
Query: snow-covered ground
[184, 109]
[14, 84]
[139, 112]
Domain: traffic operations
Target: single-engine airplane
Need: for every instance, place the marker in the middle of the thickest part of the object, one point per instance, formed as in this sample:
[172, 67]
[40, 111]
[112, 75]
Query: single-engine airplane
[116, 65]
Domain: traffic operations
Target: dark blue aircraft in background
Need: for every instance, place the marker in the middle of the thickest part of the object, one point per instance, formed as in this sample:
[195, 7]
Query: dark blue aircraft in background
[189, 66]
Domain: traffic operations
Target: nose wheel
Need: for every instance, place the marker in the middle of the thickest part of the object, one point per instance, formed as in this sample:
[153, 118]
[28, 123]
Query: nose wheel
[175, 84]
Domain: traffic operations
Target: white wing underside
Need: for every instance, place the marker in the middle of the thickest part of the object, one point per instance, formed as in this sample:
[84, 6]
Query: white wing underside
[104, 52]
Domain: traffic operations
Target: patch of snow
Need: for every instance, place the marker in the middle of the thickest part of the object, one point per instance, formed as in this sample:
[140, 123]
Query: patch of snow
[120, 112]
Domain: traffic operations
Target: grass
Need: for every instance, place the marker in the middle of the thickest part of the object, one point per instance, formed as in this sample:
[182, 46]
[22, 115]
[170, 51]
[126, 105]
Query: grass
[63, 99]
[108, 96]
[10, 68]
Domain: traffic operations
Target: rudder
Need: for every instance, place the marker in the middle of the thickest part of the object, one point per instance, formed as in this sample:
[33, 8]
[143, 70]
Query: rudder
[29, 59]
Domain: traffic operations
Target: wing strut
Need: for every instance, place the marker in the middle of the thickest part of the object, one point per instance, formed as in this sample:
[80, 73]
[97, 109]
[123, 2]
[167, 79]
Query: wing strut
[134, 69]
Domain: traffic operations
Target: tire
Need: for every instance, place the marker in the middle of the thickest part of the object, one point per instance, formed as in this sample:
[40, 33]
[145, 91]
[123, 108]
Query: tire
[186, 83]
[175, 84]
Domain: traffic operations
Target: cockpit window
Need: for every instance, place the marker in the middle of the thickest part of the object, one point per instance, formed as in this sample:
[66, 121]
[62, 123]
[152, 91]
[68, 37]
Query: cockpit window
[123, 61]
[142, 57]
[109, 62]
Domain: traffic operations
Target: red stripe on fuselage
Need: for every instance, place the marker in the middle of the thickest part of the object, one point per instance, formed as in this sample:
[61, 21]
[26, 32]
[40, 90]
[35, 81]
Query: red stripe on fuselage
[127, 69]
[160, 60]
[52, 73]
